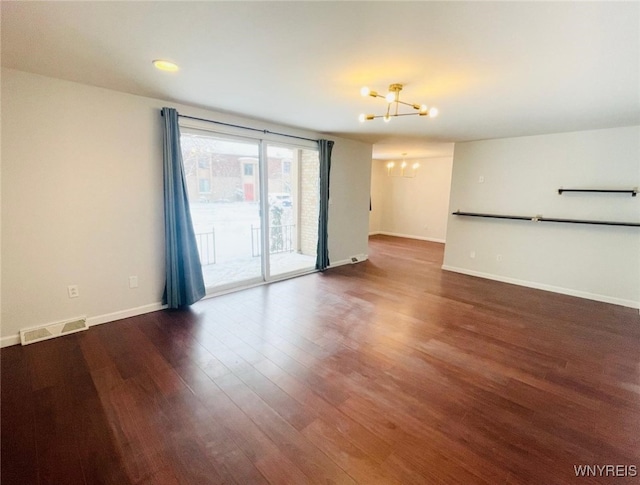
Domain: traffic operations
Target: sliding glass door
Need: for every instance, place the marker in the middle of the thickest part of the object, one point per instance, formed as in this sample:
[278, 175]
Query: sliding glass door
[224, 194]
[293, 209]
[254, 206]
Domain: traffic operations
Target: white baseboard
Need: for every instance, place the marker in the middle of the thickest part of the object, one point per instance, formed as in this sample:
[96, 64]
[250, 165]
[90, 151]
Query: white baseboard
[98, 320]
[122, 314]
[407, 236]
[342, 262]
[10, 340]
[545, 287]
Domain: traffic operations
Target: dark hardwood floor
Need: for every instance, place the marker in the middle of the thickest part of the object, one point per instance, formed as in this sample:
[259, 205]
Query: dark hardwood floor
[388, 371]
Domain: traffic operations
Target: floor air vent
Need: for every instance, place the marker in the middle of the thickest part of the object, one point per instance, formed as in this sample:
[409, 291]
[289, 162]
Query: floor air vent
[53, 330]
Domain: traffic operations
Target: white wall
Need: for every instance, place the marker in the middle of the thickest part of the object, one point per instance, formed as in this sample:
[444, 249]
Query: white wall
[411, 207]
[82, 200]
[522, 177]
[349, 200]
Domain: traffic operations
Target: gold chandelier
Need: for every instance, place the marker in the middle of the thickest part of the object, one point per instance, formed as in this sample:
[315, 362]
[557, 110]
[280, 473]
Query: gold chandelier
[393, 172]
[393, 105]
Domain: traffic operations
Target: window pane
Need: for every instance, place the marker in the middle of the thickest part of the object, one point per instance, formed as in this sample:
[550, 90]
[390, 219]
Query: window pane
[205, 185]
[224, 200]
[293, 208]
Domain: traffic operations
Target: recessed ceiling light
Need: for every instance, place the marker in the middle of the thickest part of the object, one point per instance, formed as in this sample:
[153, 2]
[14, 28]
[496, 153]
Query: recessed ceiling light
[165, 65]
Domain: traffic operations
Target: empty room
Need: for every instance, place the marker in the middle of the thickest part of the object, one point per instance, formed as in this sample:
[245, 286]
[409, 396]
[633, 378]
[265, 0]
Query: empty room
[320, 242]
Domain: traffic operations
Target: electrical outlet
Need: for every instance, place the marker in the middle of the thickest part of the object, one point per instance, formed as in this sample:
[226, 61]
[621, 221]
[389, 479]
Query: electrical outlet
[133, 281]
[73, 291]
[481, 179]
[472, 254]
[498, 257]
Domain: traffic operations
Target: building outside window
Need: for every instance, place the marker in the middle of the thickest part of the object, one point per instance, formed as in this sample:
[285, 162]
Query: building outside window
[204, 186]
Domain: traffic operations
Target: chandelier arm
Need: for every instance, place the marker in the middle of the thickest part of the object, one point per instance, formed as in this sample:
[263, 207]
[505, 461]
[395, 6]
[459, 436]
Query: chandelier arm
[394, 115]
[413, 105]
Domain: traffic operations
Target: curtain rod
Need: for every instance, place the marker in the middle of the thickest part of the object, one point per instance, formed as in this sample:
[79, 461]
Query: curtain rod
[266, 132]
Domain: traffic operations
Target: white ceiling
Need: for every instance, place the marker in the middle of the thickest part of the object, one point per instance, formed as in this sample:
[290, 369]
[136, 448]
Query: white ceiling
[493, 69]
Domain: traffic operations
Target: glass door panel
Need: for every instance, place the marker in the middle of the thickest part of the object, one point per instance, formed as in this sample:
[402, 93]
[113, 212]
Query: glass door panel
[223, 182]
[292, 214]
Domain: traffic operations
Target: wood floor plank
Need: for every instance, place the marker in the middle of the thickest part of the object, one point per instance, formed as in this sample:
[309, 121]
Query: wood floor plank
[389, 371]
[288, 408]
[361, 467]
[236, 439]
[58, 455]
[18, 452]
[292, 444]
[351, 430]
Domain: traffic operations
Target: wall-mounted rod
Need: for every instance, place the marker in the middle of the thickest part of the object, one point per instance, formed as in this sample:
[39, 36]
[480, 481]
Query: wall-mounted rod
[492, 216]
[547, 219]
[633, 192]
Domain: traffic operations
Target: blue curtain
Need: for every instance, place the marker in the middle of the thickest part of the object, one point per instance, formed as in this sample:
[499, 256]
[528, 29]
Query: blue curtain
[322, 258]
[184, 283]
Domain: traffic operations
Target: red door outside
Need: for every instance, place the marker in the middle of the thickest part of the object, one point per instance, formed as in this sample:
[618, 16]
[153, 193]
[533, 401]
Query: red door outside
[248, 192]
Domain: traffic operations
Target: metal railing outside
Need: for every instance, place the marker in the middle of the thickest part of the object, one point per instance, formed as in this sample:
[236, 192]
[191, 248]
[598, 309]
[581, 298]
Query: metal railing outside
[206, 242]
[280, 239]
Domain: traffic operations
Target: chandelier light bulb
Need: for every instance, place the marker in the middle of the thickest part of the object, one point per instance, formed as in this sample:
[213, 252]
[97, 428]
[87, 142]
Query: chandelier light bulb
[365, 91]
[390, 97]
[416, 166]
[361, 118]
[424, 108]
[386, 118]
[433, 112]
[390, 166]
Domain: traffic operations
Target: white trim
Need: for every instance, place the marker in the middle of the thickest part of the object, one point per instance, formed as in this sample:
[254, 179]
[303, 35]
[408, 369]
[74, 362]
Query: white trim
[545, 287]
[408, 236]
[98, 320]
[10, 340]
[122, 314]
[342, 262]
[361, 257]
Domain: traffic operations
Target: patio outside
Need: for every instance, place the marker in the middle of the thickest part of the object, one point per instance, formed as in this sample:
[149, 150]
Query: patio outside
[228, 238]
